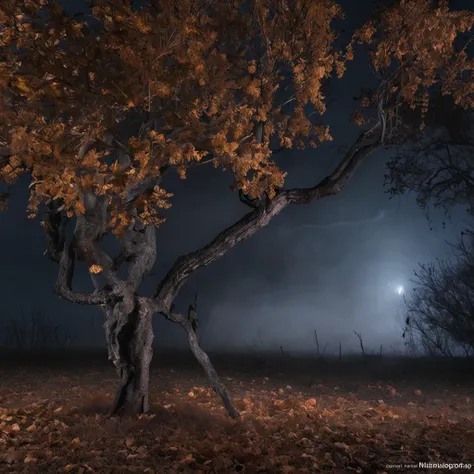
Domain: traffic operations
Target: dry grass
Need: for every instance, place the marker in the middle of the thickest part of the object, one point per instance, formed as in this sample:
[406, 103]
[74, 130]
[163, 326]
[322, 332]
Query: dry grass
[296, 419]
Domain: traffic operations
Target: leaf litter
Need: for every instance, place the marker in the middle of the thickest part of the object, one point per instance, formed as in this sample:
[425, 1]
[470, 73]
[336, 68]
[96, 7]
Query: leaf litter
[55, 422]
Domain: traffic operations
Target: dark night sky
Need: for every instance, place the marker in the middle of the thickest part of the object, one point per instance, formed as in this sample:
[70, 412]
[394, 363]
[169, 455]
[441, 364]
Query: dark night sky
[332, 265]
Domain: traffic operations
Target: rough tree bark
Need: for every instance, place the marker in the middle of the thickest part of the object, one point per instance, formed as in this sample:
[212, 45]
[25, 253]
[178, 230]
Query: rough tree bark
[128, 324]
[130, 346]
[190, 326]
[128, 316]
[262, 213]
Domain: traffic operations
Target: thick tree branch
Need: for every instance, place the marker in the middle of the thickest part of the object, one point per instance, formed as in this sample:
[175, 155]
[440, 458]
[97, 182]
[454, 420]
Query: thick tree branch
[241, 230]
[146, 185]
[63, 287]
[90, 227]
[336, 181]
[62, 252]
[361, 141]
[142, 253]
[261, 216]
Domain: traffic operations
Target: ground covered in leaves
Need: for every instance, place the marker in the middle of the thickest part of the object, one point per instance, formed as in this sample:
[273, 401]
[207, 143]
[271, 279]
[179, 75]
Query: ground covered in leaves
[297, 416]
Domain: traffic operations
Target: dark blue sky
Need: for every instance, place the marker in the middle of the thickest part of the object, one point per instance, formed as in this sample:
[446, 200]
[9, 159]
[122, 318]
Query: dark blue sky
[332, 265]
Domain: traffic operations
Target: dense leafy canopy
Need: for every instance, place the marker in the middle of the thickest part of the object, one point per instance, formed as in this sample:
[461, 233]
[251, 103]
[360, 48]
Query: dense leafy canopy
[227, 82]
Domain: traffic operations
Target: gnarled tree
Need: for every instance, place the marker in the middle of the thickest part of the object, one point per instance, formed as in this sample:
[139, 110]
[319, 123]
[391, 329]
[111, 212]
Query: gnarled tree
[98, 114]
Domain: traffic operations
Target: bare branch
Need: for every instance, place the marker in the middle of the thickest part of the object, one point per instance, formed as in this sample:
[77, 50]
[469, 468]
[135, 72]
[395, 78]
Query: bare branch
[201, 356]
[260, 217]
[335, 182]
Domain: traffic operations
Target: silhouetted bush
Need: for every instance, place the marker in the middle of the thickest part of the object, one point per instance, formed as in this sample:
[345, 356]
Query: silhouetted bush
[440, 312]
[33, 332]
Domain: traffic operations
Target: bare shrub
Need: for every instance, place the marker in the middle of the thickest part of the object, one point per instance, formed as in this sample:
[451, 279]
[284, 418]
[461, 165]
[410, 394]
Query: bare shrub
[440, 312]
[36, 331]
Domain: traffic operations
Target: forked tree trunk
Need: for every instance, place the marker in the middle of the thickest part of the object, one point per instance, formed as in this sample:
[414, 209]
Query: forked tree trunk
[130, 348]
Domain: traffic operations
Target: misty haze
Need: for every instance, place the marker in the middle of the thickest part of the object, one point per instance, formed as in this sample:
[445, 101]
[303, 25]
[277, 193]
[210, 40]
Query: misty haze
[236, 236]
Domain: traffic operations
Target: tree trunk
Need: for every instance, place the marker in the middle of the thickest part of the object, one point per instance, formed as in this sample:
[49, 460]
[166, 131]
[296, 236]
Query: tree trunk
[130, 339]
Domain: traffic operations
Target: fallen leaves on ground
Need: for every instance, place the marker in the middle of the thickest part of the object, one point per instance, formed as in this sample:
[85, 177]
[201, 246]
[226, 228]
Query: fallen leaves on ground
[61, 426]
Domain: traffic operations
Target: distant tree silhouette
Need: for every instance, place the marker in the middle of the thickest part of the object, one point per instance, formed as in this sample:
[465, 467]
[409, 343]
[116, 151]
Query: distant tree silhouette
[440, 312]
[437, 164]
